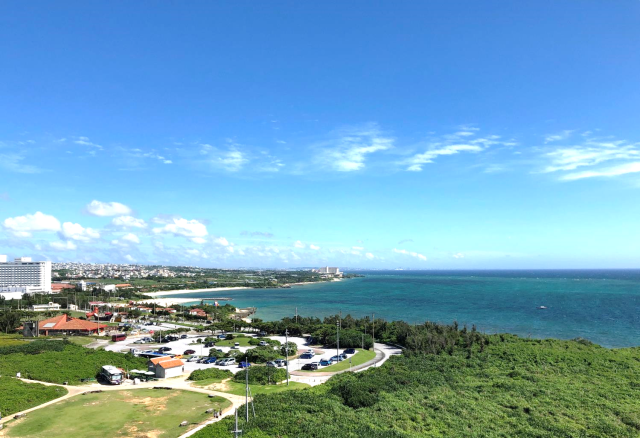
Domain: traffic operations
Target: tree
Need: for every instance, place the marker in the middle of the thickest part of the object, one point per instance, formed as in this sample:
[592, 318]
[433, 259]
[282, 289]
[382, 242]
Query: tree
[9, 321]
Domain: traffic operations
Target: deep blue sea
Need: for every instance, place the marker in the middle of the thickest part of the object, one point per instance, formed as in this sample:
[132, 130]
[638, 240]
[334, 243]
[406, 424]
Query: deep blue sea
[600, 305]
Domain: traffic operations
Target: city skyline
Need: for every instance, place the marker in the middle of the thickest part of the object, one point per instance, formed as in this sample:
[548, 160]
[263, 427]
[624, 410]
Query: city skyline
[436, 136]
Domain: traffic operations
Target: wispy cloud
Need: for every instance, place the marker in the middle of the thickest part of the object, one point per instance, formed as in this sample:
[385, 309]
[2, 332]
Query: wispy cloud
[257, 234]
[86, 142]
[98, 208]
[14, 163]
[563, 135]
[623, 158]
[230, 160]
[462, 141]
[410, 253]
[348, 151]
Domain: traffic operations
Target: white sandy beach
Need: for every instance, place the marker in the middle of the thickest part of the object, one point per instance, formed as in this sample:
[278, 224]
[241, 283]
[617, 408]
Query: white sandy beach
[190, 291]
[167, 302]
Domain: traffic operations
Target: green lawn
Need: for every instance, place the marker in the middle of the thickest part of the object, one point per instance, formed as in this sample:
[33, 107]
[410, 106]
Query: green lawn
[81, 340]
[360, 357]
[141, 412]
[244, 342]
[239, 388]
[18, 396]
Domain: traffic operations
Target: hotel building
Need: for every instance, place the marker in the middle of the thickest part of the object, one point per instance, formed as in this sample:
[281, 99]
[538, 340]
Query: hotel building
[23, 275]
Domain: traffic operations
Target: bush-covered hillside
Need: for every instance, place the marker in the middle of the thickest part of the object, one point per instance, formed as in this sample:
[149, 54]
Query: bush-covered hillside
[60, 361]
[513, 387]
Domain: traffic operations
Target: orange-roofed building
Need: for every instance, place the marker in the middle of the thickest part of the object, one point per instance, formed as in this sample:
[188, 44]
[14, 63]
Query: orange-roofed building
[166, 367]
[64, 324]
[60, 286]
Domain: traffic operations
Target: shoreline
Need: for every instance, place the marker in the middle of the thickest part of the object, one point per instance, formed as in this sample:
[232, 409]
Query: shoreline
[191, 291]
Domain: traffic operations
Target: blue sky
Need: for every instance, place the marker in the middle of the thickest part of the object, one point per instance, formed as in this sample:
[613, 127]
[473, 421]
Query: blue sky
[428, 135]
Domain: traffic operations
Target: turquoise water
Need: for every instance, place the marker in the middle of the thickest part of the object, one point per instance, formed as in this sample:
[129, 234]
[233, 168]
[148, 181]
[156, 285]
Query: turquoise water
[602, 306]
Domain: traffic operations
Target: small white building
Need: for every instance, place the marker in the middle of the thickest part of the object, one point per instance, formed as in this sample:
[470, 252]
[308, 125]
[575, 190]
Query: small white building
[45, 307]
[166, 367]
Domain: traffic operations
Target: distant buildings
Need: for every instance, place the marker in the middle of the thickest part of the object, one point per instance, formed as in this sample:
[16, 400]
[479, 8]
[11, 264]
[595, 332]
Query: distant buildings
[64, 324]
[329, 272]
[44, 307]
[24, 276]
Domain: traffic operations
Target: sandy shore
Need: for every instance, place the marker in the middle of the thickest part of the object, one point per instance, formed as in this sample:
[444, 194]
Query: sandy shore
[178, 292]
[167, 302]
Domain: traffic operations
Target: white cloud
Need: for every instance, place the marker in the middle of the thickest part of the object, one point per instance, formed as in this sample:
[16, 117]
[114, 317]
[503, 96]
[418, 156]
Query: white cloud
[349, 151]
[221, 241]
[231, 160]
[453, 144]
[417, 161]
[98, 208]
[591, 153]
[314, 247]
[86, 142]
[299, 244]
[559, 136]
[23, 226]
[78, 232]
[458, 256]
[357, 248]
[410, 253]
[608, 172]
[199, 240]
[14, 163]
[128, 222]
[129, 258]
[131, 238]
[369, 256]
[183, 227]
[63, 246]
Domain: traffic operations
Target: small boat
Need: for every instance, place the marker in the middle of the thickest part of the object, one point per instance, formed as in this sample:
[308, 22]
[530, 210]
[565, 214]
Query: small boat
[542, 307]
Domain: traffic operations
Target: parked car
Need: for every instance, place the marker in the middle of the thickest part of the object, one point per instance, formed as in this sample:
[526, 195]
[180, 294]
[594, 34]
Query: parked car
[306, 356]
[263, 343]
[189, 351]
[336, 358]
[325, 362]
[280, 362]
[149, 340]
[262, 334]
[209, 344]
[226, 361]
[271, 363]
[244, 364]
[139, 341]
[194, 359]
[349, 351]
[210, 360]
[222, 336]
[310, 351]
[163, 349]
[183, 337]
[343, 356]
[310, 366]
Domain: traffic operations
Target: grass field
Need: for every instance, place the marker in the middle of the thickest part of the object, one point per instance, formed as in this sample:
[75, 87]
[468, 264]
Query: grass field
[141, 412]
[16, 395]
[239, 388]
[359, 358]
[244, 342]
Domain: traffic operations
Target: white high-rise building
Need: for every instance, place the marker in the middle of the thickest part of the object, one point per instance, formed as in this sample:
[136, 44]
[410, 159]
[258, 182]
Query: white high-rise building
[24, 275]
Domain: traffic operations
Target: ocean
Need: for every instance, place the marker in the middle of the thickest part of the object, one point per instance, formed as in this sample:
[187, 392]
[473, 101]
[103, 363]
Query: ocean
[602, 306]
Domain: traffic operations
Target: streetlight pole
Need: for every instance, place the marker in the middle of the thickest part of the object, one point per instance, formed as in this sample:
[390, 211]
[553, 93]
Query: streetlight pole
[338, 340]
[373, 335]
[246, 395]
[286, 350]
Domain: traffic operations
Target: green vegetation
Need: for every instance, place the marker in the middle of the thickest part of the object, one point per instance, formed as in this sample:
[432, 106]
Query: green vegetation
[262, 375]
[359, 358]
[493, 386]
[210, 374]
[140, 412]
[61, 361]
[18, 395]
[243, 341]
[289, 349]
[239, 388]
[262, 354]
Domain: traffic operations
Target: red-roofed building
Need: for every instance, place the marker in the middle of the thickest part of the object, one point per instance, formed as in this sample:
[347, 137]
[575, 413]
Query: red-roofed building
[166, 367]
[64, 324]
[198, 312]
[55, 287]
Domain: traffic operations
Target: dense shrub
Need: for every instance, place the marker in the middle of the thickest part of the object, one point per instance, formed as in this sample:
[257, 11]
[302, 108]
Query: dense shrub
[210, 373]
[18, 395]
[262, 375]
[58, 362]
[262, 354]
[34, 347]
[293, 349]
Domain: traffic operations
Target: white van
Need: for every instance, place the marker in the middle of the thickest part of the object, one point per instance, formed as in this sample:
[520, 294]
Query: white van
[226, 361]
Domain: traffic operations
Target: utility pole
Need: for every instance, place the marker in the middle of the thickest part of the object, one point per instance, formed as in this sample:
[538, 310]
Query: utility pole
[373, 335]
[246, 396]
[237, 432]
[296, 315]
[338, 340]
[286, 350]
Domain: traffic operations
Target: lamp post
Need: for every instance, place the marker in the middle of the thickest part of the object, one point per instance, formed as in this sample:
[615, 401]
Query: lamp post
[286, 350]
[338, 340]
